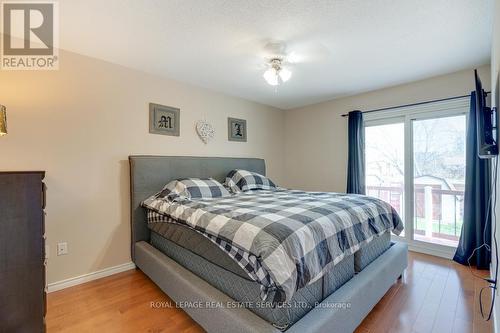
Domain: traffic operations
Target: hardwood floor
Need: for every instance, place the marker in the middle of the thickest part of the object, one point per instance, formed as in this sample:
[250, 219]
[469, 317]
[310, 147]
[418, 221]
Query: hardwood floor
[436, 295]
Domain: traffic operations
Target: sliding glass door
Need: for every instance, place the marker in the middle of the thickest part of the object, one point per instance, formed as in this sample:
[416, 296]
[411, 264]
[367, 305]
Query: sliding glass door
[415, 160]
[438, 179]
[385, 163]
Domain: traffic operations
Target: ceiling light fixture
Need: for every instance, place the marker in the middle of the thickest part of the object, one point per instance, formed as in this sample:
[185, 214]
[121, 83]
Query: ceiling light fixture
[276, 74]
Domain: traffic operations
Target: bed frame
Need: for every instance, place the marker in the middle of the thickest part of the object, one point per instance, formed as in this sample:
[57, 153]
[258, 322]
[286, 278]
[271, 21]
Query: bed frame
[148, 174]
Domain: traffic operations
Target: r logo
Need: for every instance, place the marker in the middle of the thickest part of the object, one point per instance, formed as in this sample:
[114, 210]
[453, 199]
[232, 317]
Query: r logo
[28, 28]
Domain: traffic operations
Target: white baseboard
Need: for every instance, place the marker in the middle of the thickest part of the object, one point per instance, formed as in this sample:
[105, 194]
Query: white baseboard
[431, 251]
[55, 286]
[427, 248]
[496, 329]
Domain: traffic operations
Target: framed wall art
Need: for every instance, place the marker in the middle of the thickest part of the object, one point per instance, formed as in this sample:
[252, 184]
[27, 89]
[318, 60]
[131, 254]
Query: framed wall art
[237, 129]
[164, 120]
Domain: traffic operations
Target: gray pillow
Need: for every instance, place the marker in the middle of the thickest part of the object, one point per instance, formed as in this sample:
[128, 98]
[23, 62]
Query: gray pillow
[239, 180]
[193, 188]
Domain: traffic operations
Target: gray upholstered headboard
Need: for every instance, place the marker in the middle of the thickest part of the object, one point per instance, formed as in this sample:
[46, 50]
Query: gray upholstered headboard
[148, 175]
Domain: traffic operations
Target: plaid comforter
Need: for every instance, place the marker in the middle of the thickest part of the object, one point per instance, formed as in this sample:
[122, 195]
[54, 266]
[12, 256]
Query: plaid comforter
[297, 236]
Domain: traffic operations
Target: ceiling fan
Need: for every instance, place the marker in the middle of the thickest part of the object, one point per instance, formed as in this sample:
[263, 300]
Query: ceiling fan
[280, 58]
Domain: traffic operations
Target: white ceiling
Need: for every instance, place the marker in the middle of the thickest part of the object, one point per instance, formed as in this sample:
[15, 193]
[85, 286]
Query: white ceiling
[353, 45]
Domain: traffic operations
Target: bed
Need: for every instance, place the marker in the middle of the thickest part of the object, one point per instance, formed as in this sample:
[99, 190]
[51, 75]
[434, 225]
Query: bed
[191, 270]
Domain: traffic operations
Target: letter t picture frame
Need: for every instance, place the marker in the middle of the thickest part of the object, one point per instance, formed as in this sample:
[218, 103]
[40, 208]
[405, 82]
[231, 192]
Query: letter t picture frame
[237, 129]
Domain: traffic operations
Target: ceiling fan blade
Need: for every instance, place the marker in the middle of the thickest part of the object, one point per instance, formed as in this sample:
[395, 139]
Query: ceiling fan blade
[291, 53]
[302, 52]
[260, 46]
[275, 49]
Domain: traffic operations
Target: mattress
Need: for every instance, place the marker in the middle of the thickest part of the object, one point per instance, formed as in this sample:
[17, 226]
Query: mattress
[209, 262]
[198, 244]
[371, 251]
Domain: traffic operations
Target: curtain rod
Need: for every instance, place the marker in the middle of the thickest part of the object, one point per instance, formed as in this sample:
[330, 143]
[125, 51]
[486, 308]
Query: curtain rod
[415, 104]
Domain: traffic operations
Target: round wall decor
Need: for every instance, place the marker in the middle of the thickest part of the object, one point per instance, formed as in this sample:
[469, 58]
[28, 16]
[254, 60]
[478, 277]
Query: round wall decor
[205, 131]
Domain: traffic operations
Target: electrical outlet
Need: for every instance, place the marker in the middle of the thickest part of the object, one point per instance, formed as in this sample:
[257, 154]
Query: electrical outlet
[62, 248]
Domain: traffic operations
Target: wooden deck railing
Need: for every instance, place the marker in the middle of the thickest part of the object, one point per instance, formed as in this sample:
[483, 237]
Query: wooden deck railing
[433, 206]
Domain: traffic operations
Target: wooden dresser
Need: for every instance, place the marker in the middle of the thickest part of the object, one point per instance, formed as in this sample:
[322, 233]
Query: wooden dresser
[22, 252]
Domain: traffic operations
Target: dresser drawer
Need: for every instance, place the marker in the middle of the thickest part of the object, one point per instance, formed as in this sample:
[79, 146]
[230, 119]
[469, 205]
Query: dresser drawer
[22, 267]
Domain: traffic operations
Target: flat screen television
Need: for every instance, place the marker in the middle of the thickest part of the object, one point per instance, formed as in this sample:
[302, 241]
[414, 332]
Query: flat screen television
[486, 119]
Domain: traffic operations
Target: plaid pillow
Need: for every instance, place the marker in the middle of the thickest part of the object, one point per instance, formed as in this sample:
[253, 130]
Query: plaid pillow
[243, 180]
[192, 188]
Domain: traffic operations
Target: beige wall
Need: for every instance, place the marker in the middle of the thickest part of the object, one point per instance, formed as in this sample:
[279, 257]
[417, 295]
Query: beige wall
[495, 67]
[495, 55]
[80, 124]
[316, 135]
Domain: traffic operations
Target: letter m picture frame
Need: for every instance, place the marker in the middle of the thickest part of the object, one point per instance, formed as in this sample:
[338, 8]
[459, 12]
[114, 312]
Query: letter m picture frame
[164, 120]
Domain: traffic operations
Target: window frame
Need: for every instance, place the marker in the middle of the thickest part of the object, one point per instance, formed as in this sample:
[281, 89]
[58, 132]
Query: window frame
[407, 115]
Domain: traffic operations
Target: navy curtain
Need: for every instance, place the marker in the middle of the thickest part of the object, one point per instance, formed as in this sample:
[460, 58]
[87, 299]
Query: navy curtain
[356, 157]
[476, 228]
